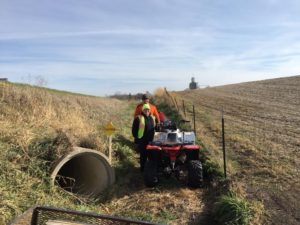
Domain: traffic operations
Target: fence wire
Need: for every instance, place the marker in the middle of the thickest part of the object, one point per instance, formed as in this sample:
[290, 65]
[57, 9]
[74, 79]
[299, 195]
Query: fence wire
[267, 138]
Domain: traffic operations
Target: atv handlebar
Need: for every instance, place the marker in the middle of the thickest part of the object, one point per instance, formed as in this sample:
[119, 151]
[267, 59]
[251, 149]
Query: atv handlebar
[166, 125]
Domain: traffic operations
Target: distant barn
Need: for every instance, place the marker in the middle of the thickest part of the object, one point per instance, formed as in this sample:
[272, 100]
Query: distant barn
[193, 84]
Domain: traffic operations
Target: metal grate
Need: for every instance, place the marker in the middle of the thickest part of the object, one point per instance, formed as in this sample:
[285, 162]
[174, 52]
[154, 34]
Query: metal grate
[53, 216]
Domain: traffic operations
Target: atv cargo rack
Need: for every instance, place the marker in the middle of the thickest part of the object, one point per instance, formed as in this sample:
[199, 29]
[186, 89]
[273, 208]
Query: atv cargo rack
[42, 215]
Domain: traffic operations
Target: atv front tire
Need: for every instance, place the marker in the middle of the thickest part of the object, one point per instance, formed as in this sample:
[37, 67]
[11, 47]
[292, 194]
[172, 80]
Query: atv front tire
[195, 174]
[150, 173]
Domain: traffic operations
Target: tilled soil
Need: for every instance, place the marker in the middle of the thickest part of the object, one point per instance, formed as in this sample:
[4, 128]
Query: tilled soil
[262, 127]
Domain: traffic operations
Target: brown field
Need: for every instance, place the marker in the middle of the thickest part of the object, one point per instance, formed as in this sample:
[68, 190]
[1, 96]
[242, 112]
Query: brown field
[262, 133]
[262, 139]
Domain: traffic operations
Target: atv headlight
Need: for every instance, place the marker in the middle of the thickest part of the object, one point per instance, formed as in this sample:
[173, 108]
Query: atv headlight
[172, 137]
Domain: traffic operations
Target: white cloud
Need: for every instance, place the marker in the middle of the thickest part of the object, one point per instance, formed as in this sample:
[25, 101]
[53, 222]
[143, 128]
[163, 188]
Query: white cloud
[215, 41]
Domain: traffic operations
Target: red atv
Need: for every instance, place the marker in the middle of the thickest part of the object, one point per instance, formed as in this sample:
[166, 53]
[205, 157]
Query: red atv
[173, 152]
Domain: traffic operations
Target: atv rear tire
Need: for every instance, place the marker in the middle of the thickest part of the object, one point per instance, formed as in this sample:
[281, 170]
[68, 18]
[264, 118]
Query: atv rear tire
[195, 174]
[150, 173]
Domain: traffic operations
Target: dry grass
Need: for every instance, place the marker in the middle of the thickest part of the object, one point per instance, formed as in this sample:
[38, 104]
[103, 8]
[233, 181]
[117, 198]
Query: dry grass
[36, 127]
[39, 125]
[171, 206]
[26, 110]
[159, 92]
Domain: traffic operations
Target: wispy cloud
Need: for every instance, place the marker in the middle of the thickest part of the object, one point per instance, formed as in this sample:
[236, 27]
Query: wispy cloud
[134, 45]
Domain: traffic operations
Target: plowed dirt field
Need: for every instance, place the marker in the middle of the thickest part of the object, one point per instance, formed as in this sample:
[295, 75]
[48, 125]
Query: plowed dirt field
[262, 132]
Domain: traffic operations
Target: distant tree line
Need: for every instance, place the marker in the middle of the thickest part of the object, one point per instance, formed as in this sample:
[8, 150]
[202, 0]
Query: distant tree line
[123, 96]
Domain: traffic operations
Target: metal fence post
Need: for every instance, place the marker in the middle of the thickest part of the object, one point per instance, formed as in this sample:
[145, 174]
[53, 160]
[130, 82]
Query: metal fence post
[194, 118]
[183, 107]
[223, 144]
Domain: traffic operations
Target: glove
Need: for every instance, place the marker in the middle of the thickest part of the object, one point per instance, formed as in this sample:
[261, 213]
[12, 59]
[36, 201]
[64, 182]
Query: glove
[158, 127]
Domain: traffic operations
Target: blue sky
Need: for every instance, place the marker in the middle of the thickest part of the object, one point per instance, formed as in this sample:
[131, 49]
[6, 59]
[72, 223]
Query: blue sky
[102, 47]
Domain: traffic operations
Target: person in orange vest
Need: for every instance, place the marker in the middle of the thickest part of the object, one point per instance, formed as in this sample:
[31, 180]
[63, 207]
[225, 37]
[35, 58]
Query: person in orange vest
[161, 117]
[143, 132]
[153, 110]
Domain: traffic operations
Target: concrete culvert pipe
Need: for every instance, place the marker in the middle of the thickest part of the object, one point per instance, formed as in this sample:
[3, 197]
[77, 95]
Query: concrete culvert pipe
[84, 172]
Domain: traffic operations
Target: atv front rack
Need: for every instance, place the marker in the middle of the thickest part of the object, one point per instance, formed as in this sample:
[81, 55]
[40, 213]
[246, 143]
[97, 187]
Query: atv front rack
[172, 147]
[173, 151]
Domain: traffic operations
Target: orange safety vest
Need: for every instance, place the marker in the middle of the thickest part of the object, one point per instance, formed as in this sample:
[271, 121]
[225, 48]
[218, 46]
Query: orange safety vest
[153, 111]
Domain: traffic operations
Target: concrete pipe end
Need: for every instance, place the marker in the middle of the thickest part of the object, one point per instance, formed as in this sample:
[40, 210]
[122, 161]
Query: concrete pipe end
[83, 171]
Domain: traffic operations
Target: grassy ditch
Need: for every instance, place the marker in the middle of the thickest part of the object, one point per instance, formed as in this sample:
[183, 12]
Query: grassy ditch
[229, 204]
[37, 126]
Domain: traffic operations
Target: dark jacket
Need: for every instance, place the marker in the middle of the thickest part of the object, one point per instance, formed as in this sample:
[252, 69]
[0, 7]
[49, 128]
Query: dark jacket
[148, 132]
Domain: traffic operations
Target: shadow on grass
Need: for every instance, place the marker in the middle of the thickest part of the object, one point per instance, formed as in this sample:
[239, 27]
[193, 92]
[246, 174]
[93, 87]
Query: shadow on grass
[125, 141]
[212, 190]
[129, 181]
[129, 178]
